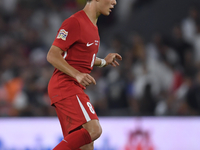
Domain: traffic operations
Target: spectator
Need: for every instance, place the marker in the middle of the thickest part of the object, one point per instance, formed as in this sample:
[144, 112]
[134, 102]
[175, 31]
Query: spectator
[189, 24]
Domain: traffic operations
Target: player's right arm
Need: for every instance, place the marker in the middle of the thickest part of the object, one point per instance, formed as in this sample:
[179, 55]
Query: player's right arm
[55, 58]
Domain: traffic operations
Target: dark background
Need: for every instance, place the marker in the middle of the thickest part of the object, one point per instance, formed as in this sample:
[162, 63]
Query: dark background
[158, 76]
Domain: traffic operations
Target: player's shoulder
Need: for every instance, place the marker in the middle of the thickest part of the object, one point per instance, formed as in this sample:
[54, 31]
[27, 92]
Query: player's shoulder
[78, 14]
[71, 21]
[75, 18]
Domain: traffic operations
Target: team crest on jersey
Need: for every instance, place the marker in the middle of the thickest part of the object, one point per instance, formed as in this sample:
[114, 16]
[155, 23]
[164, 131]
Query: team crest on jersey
[62, 34]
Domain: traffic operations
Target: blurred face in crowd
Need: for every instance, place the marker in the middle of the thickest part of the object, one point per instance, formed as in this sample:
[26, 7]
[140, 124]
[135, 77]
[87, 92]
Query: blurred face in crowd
[193, 13]
[105, 6]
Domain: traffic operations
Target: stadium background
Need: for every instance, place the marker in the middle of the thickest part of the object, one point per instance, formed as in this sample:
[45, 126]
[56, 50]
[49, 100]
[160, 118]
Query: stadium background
[158, 77]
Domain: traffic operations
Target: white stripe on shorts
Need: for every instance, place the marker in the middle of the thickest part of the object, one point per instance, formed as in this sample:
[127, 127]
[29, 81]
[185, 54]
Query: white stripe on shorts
[87, 117]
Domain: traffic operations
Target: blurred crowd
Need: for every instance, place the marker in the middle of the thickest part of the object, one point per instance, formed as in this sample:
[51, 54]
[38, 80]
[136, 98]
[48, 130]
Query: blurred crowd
[160, 77]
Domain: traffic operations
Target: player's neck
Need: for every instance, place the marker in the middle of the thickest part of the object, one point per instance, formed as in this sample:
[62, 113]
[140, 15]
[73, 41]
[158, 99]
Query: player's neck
[91, 11]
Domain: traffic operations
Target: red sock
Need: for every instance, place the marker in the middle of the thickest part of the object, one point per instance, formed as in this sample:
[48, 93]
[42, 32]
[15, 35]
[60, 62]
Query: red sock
[74, 140]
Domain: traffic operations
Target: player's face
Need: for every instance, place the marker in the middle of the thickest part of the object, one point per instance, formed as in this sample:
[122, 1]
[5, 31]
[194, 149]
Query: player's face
[106, 6]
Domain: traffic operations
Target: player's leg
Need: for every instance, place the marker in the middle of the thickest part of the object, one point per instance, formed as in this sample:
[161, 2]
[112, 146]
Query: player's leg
[94, 129]
[88, 147]
[73, 139]
[90, 132]
[67, 113]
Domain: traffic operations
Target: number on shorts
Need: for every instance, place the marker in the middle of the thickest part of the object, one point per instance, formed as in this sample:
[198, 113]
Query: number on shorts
[90, 107]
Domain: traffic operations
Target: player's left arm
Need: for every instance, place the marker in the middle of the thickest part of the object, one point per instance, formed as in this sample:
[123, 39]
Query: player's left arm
[110, 59]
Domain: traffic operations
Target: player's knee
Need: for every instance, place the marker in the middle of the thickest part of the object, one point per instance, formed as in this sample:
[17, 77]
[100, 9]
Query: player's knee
[88, 146]
[98, 132]
[95, 132]
[94, 129]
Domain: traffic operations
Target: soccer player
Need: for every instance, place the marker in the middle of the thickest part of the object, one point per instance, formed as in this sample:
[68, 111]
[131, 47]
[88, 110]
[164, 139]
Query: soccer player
[73, 54]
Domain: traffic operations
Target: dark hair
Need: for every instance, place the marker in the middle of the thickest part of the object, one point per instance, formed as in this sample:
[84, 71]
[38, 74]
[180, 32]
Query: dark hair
[89, 0]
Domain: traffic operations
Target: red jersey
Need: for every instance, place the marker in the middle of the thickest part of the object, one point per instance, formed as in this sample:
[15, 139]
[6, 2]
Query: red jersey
[78, 37]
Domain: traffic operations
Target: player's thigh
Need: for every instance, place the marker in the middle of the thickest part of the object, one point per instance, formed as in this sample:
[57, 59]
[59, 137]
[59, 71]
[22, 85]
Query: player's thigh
[74, 111]
[88, 146]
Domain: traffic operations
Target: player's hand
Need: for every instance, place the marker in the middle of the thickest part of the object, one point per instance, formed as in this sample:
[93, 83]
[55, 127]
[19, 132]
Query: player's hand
[111, 59]
[85, 79]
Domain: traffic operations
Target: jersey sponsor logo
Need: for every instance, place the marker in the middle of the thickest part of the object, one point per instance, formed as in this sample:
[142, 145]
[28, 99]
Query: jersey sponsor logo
[89, 44]
[62, 34]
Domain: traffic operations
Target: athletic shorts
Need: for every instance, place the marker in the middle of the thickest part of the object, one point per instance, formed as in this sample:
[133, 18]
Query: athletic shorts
[74, 111]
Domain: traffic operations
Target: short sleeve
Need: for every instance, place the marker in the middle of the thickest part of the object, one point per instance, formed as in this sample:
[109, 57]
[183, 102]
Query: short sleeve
[68, 34]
